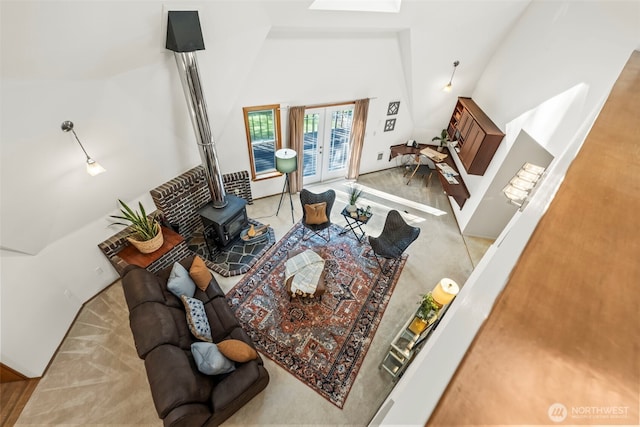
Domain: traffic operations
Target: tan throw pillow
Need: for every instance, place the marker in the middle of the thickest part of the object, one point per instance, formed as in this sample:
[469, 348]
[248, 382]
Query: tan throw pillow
[316, 213]
[200, 273]
[237, 350]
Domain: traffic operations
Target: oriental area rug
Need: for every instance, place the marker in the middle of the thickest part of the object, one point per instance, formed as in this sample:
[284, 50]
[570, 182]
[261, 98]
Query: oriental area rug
[321, 341]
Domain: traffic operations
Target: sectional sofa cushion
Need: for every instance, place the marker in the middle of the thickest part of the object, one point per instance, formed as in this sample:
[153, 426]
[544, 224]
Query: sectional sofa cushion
[182, 395]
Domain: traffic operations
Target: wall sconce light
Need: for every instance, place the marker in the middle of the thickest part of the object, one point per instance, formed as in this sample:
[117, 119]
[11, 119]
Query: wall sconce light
[286, 162]
[522, 184]
[447, 88]
[93, 167]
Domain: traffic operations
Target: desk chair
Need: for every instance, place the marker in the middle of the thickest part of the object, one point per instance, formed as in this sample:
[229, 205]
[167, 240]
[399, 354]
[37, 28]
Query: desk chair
[422, 165]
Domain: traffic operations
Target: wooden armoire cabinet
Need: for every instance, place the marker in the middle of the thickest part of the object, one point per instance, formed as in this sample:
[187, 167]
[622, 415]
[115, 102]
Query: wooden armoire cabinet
[478, 137]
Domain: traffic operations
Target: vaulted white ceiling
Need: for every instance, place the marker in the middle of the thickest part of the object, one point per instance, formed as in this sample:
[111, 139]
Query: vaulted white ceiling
[106, 47]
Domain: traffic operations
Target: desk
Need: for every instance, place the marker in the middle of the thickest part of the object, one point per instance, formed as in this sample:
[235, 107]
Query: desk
[458, 192]
[403, 150]
[354, 224]
[159, 259]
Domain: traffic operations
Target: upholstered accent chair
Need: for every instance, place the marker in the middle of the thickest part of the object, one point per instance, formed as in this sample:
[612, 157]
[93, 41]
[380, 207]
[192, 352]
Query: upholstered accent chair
[395, 238]
[316, 212]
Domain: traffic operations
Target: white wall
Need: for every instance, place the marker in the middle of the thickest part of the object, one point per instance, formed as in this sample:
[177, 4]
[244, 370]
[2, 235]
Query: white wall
[553, 123]
[103, 66]
[317, 73]
[494, 213]
[557, 62]
[555, 46]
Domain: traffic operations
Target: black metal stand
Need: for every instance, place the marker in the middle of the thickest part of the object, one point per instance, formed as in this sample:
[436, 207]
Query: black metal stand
[354, 224]
[286, 185]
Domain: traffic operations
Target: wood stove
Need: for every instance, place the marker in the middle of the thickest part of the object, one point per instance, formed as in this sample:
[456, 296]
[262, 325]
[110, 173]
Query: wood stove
[223, 225]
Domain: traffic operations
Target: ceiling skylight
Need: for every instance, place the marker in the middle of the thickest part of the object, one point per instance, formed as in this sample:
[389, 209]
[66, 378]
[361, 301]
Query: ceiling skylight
[389, 6]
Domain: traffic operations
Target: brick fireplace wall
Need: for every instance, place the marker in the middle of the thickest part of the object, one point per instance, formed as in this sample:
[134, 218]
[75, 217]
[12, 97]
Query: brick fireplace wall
[238, 184]
[179, 200]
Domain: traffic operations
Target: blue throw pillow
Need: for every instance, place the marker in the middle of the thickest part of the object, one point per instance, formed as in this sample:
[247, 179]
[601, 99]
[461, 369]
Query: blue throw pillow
[197, 318]
[209, 360]
[180, 283]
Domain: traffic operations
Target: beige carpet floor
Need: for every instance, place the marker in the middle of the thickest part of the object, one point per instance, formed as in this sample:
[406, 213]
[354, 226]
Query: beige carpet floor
[96, 377]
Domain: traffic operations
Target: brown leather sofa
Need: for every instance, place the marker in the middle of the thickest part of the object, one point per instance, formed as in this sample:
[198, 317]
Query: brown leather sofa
[182, 395]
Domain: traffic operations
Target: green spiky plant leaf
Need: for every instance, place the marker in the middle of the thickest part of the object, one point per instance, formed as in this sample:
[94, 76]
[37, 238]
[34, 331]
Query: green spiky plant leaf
[144, 227]
[354, 194]
[443, 138]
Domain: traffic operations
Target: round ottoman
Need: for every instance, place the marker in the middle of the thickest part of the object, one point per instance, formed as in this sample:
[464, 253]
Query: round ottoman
[320, 285]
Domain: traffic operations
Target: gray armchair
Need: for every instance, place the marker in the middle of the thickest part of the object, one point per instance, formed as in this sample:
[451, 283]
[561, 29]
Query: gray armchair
[395, 238]
[310, 222]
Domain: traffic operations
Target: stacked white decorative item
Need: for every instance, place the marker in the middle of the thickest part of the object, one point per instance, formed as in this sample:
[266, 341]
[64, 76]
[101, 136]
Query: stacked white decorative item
[521, 185]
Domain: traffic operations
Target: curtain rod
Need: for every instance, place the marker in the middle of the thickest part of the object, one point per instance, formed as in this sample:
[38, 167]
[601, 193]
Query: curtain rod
[330, 104]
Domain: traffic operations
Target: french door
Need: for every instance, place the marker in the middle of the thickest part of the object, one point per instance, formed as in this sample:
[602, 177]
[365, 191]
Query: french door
[327, 131]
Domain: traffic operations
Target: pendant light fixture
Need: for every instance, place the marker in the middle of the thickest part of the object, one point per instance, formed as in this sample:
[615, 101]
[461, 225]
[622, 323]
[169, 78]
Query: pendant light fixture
[93, 167]
[448, 87]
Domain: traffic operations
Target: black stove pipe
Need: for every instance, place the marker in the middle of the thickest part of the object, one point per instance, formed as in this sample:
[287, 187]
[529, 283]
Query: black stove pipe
[184, 37]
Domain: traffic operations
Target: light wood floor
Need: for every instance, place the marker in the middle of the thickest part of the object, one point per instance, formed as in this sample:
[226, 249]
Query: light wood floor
[14, 396]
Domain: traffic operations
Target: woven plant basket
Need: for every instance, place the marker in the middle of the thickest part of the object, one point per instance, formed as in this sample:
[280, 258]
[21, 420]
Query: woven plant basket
[148, 246]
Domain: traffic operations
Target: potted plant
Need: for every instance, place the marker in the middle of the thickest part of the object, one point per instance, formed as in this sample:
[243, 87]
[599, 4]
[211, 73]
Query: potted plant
[146, 234]
[354, 194]
[426, 314]
[443, 139]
